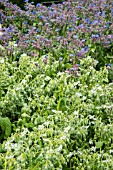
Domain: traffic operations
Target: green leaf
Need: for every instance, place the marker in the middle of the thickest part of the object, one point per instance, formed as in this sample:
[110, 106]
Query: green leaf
[93, 50]
[99, 144]
[34, 24]
[6, 126]
[68, 65]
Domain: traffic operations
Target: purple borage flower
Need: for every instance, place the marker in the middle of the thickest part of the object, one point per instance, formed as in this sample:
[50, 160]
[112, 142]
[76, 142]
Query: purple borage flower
[34, 12]
[38, 5]
[58, 16]
[63, 2]
[75, 36]
[25, 22]
[60, 59]
[41, 17]
[108, 64]
[25, 0]
[38, 30]
[71, 29]
[95, 36]
[95, 22]
[72, 55]
[72, 69]
[87, 20]
[31, 2]
[79, 7]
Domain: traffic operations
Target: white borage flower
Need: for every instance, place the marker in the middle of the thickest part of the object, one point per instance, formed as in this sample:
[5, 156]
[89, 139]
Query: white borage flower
[59, 148]
[60, 73]
[108, 106]
[12, 146]
[75, 113]
[67, 129]
[25, 130]
[44, 134]
[47, 156]
[111, 151]
[56, 111]
[23, 81]
[46, 140]
[15, 44]
[28, 76]
[47, 78]
[92, 117]
[18, 148]
[93, 148]
[90, 141]
[50, 116]
[30, 99]
[91, 68]
[99, 87]
[84, 98]
[50, 151]
[25, 115]
[9, 157]
[18, 88]
[47, 123]
[102, 94]
[107, 160]
[7, 145]
[93, 91]
[78, 94]
[1, 33]
[70, 154]
[99, 155]
[41, 127]
[88, 73]
[72, 87]
[76, 83]
[24, 55]
[79, 152]
[2, 61]
[88, 57]
[63, 138]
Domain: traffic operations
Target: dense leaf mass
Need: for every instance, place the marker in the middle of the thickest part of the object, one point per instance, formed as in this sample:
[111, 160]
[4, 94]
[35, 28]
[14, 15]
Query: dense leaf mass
[56, 86]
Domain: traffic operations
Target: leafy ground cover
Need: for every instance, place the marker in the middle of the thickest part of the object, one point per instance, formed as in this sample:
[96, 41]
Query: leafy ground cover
[56, 93]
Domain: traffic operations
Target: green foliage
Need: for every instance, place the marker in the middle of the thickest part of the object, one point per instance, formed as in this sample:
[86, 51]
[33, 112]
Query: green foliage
[110, 73]
[64, 121]
[5, 125]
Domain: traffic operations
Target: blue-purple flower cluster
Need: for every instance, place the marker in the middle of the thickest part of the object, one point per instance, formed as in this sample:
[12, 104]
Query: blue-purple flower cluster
[77, 27]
